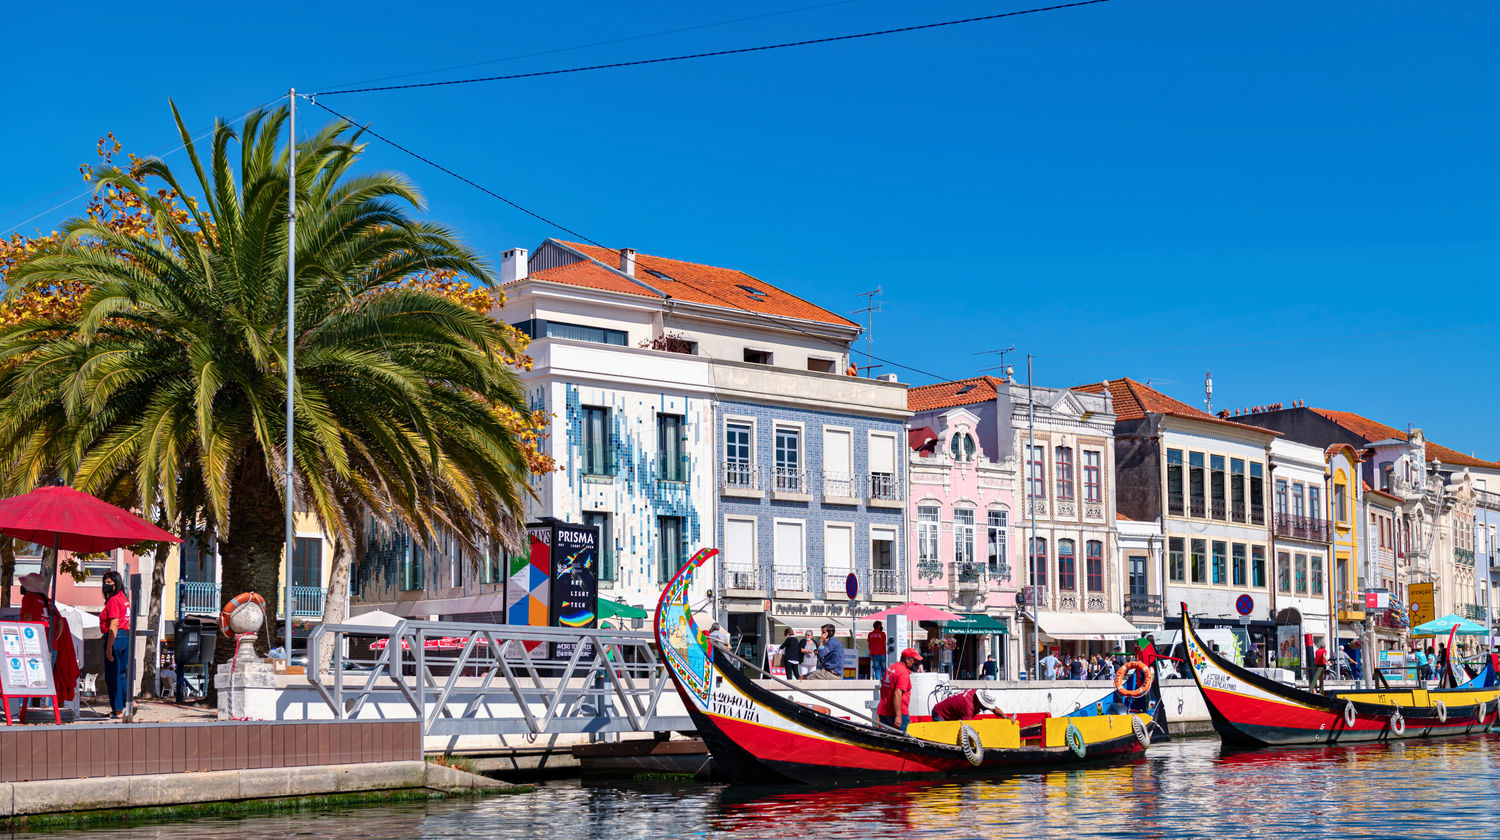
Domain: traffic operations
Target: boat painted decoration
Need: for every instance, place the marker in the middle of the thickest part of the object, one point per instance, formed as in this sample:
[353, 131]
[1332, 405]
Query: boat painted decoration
[1251, 710]
[759, 736]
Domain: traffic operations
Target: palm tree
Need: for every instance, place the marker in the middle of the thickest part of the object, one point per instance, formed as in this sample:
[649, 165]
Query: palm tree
[175, 364]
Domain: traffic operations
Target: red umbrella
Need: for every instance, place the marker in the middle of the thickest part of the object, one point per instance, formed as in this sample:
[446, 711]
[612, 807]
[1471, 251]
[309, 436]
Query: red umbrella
[73, 521]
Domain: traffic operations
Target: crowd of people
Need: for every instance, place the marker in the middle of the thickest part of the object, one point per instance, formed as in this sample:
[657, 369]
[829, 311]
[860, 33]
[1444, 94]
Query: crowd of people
[1098, 666]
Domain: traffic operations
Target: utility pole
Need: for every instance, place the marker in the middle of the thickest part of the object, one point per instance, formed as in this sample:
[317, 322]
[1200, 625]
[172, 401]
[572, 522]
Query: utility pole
[1036, 632]
[291, 354]
[871, 307]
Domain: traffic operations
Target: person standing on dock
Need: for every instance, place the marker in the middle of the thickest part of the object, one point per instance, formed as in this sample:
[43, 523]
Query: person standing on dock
[877, 642]
[791, 654]
[894, 708]
[113, 621]
[1050, 664]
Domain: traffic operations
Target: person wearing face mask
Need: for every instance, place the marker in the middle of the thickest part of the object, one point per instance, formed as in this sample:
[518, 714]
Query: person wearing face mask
[114, 623]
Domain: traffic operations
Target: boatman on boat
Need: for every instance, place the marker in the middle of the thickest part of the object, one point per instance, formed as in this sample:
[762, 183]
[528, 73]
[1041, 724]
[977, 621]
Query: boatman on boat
[894, 708]
[967, 705]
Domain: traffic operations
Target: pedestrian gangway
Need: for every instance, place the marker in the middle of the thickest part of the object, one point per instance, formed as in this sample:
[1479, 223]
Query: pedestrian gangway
[463, 678]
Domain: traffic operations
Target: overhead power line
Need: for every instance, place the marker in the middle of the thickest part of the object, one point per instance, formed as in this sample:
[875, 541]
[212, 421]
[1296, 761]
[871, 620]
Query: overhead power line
[716, 53]
[535, 215]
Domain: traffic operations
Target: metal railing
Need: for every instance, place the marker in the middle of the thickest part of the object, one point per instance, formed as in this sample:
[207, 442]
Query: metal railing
[742, 577]
[789, 580]
[886, 581]
[197, 598]
[1472, 612]
[789, 480]
[1257, 514]
[1302, 527]
[499, 679]
[883, 486]
[834, 580]
[307, 601]
[840, 484]
[1219, 508]
[968, 571]
[1463, 556]
[739, 475]
[1143, 605]
[1197, 508]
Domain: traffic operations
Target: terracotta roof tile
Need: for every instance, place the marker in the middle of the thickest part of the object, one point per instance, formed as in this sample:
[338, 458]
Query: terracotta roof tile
[687, 281]
[971, 391]
[1133, 401]
[1372, 430]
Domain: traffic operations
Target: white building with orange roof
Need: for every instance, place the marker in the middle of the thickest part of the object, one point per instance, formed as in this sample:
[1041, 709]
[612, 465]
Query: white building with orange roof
[700, 406]
[1205, 480]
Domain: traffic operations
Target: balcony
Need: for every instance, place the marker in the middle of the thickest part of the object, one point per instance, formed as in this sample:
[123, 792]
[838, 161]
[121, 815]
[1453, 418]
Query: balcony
[746, 578]
[840, 486]
[1296, 527]
[789, 480]
[307, 601]
[884, 488]
[929, 568]
[199, 598]
[833, 581]
[740, 478]
[1034, 595]
[1143, 606]
[887, 582]
[789, 580]
[1219, 509]
[1257, 514]
[968, 575]
[1197, 508]
[1463, 556]
[1472, 612]
[1351, 608]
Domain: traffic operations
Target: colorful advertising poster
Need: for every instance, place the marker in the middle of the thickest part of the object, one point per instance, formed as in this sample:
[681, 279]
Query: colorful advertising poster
[529, 592]
[575, 580]
[12, 637]
[1288, 650]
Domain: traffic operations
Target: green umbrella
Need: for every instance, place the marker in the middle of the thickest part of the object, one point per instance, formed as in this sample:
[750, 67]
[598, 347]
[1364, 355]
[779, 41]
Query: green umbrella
[615, 609]
[1443, 626]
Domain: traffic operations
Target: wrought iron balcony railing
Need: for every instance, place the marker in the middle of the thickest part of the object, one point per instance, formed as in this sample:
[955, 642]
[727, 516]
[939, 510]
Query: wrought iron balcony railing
[1302, 527]
[887, 582]
[199, 598]
[883, 487]
[1143, 605]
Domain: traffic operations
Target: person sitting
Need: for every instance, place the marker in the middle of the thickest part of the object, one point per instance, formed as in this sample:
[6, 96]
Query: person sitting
[830, 657]
[168, 675]
[967, 705]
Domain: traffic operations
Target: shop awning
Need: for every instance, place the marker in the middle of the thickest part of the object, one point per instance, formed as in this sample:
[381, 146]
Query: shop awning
[1086, 627]
[976, 624]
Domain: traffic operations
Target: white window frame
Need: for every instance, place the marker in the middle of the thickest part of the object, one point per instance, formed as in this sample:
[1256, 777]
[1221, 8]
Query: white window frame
[936, 528]
[823, 467]
[777, 564]
[841, 571]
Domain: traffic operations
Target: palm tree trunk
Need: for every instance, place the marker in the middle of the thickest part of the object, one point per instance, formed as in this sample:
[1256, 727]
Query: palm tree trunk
[7, 569]
[251, 547]
[334, 611]
[149, 683]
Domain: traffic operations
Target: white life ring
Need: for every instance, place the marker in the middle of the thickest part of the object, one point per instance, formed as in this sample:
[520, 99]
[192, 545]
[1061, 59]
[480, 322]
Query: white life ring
[1073, 737]
[1141, 733]
[1398, 724]
[1442, 712]
[1349, 716]
[969, 742]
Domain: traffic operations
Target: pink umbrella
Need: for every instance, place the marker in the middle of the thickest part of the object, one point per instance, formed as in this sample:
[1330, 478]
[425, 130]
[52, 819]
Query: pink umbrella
[916, 612]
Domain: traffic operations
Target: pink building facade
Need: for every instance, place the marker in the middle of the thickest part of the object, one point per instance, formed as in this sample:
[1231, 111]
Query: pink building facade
[961, 539]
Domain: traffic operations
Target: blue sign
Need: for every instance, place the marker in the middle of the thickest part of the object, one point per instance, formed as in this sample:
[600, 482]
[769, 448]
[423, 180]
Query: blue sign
[851, 586]
[1244, 604]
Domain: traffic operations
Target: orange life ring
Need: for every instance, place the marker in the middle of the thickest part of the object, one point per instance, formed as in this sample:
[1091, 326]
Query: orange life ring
[235, 603]
[1146, 678]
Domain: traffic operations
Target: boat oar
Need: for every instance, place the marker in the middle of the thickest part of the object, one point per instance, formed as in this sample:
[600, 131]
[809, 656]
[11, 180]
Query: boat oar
[789, 684]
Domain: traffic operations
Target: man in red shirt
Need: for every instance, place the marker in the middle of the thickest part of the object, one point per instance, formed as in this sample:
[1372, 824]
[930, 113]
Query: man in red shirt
[877, 652]
[967, 705]
[1320, 667]
[895, 691]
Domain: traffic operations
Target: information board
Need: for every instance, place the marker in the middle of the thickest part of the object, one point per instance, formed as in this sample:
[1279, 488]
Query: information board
[27, 670]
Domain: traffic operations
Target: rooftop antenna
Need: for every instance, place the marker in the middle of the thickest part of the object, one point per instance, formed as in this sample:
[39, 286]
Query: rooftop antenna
[1208, 391]
[1001, 353]
[871, 307]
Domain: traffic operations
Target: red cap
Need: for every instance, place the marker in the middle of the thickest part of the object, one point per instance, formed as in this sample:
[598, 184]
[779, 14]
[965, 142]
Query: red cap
[910, 652]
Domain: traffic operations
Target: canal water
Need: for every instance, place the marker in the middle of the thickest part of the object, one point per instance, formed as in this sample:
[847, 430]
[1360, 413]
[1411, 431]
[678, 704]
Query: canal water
[1186, 789]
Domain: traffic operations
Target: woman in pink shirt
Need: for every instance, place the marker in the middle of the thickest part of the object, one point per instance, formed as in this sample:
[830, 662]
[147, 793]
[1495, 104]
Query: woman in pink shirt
[114, 623]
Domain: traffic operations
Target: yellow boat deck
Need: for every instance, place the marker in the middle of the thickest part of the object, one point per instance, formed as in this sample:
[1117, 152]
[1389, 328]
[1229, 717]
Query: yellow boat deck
[1003, 733]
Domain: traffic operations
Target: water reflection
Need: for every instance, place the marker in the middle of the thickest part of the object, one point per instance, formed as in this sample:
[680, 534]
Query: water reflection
[1192, 789]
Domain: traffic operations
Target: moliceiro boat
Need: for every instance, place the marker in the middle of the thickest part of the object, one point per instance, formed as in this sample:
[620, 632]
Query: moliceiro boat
[758, 736]
[1252, 710]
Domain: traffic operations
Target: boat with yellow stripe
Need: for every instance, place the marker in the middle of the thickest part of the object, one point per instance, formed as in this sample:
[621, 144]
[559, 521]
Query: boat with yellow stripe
[1248, 709]
[758, 736]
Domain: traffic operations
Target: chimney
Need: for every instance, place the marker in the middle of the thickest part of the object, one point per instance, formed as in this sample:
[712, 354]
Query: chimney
[627, 261]
[512, 265]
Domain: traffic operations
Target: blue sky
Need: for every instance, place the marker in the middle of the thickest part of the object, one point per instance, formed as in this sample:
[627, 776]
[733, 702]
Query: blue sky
[1299, 196]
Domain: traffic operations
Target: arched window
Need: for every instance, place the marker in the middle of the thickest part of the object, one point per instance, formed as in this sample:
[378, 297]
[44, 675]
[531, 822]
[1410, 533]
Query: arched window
[1067, 567]
[962, 446]
[1039, 562]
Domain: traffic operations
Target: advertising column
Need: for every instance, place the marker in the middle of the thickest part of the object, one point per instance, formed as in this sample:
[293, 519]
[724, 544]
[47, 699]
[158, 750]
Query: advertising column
[574, 598]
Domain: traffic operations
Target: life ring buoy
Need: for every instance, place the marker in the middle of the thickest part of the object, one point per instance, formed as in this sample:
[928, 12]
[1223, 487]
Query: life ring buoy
[1398, 724]
[1349, 715]
[969, 742]
[1073, 737]
[235, 603]
[1482, 710]
[1141, 733]
[1147, 676]
[1442, 712]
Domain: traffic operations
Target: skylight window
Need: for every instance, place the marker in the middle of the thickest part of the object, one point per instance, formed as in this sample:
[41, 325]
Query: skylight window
[754, 292]
[657, 274]
[966, 389]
